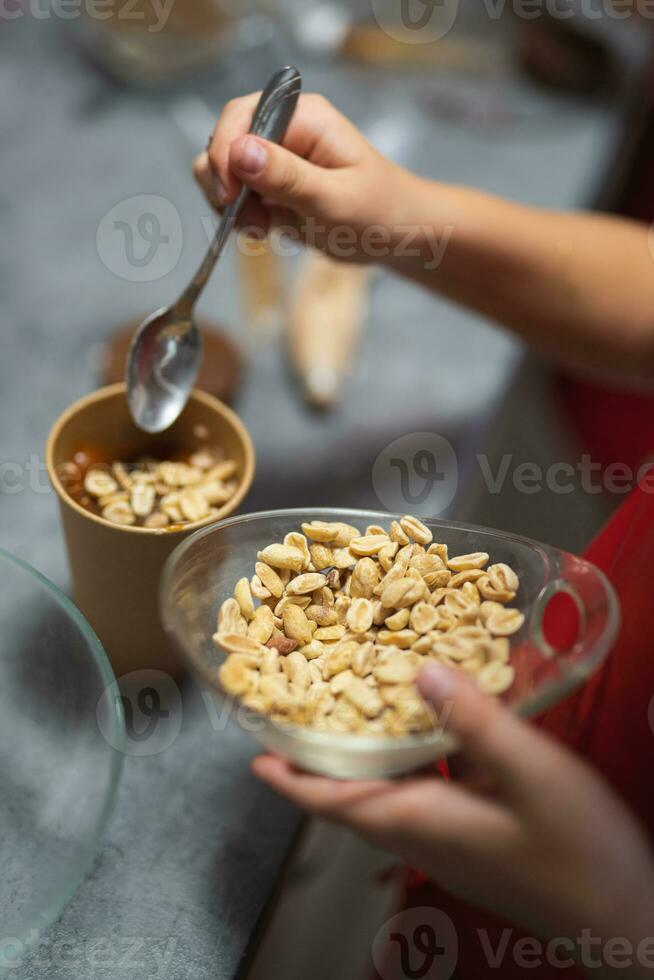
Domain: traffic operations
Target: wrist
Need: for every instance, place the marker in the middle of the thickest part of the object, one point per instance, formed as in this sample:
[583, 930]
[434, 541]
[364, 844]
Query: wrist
[419, 231]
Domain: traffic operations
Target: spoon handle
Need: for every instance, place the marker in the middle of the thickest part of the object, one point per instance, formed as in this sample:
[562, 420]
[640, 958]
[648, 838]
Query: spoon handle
[271, 119]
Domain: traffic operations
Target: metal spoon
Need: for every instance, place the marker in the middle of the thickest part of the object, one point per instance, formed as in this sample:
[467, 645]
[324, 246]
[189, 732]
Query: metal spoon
[166, 351]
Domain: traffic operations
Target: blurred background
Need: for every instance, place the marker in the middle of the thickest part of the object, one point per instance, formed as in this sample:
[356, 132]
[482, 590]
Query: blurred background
[103, 106]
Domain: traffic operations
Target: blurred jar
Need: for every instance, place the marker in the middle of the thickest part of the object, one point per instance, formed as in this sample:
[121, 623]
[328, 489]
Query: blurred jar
[152, 41]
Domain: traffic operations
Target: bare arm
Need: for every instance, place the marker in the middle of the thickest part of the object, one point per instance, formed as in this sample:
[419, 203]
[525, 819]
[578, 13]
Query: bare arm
[579, 287]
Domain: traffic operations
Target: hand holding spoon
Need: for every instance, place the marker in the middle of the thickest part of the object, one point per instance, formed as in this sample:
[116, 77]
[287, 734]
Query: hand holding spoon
[165, 354]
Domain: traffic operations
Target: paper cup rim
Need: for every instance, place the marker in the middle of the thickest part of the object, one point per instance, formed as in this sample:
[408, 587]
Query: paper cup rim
[110, 391]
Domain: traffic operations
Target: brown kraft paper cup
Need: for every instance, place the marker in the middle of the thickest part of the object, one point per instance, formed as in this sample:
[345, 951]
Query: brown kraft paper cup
[116, 569]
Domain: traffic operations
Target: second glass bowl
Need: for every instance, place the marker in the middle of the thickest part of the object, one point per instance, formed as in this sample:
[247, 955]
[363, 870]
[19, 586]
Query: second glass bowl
[61, 753]
[202, 572]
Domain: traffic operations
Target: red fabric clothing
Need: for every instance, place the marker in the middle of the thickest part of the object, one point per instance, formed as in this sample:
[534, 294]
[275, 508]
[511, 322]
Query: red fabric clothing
[612, 426]
[610, 722]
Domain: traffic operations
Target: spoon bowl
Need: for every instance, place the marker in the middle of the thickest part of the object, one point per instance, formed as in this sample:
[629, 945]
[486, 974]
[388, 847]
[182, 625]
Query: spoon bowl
[162, 367]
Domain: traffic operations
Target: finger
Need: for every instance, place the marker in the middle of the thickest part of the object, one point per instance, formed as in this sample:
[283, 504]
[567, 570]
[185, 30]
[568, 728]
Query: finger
[318, 132]
[254, 220]
[304, 132]
[204, 176]
[384, 811]
[284, 220]
[316, 129]
[324, 797]
[429, 817]
[255, 217]
[282, 228]
[235, 120]
[489, 736]
[275, 172]
[473, 775]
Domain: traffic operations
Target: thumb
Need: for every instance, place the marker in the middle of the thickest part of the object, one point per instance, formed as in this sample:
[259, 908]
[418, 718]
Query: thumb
[276, 173]
[487, 733]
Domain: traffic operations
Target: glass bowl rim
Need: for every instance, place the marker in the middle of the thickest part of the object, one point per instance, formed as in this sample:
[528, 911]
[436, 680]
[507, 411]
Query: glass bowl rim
[549, 695]
[116, 747]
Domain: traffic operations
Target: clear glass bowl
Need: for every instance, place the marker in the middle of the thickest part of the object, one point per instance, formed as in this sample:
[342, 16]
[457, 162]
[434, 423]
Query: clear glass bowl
[60, 753]
[202, 572]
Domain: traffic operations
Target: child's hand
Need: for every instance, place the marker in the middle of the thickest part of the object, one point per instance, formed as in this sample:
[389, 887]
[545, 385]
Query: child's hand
[326, 183]
[524, 829]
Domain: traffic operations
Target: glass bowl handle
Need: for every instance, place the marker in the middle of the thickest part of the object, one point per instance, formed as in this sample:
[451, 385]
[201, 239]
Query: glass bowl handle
[558, 587]
[588, 618]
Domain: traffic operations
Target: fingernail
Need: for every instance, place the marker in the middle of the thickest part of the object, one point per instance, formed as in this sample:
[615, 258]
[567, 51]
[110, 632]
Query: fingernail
[437, 683]
[252, 157]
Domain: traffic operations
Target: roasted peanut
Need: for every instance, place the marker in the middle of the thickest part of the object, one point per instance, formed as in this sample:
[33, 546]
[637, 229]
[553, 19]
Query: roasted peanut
[462, 563]
[296, 624]
[416, 530]
[243, 596]
[269, 579]
[365, 578]
[359, 615]
[282, 556]
[405, 592]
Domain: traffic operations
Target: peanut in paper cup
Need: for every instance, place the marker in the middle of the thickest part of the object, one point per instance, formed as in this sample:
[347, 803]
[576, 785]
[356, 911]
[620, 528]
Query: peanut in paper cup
[116, 569]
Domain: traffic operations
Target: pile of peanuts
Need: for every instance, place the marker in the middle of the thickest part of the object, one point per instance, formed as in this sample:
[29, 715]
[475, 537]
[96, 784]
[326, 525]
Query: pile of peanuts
[333, 627]
[160, 494]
